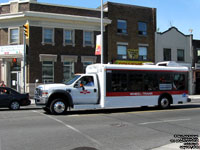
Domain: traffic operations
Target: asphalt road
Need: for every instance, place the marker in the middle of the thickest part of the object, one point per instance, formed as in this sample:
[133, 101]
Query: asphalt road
[121, 129]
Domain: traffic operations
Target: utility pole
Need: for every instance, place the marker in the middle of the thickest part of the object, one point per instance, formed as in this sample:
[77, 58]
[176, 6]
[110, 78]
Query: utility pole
[102, 32]
[26, 36]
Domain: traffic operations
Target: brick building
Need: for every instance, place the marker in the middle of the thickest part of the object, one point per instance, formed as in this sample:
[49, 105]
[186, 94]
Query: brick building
[131, 35]
[62, 39]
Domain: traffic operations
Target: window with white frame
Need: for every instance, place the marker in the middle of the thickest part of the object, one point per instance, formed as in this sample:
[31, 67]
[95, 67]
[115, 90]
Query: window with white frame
[47, 71]
[14, 36]
[122, 51]
[48, 35]
[142, 53]
[88, 38]
[68, 70]
[68, 37]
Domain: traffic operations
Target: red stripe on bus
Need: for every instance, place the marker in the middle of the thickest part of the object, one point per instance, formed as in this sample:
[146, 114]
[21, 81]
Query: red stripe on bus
[113, 94]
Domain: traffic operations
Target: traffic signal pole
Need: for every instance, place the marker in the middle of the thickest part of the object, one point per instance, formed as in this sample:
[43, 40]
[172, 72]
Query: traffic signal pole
[24, 67]
[26, 36]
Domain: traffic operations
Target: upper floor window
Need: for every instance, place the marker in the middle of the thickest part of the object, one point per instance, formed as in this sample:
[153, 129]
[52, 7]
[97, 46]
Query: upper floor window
[122, 51]
[180, 55]
[167, 54]
[48, 35]
[88, 39]
[122, 26]
[14, 36]
[69, 37]
[142, 53]
[142, 28]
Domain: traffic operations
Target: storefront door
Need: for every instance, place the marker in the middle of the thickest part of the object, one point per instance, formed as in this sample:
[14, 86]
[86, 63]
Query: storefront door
[15, 80]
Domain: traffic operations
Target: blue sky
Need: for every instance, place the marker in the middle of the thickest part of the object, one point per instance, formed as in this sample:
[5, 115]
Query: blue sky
[183, 14]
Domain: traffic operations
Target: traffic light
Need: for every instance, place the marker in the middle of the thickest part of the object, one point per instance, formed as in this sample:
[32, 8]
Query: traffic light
[14, 62]
[26, 30]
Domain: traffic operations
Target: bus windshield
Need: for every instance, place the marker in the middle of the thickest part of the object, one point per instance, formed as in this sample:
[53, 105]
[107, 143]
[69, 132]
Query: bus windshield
[71, 80]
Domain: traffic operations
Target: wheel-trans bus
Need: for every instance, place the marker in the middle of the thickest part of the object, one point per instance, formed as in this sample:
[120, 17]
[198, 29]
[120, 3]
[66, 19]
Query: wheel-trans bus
[116, 86]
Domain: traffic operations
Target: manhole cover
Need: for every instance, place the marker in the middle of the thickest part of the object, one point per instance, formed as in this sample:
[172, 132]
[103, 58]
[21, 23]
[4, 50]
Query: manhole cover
[84, 148]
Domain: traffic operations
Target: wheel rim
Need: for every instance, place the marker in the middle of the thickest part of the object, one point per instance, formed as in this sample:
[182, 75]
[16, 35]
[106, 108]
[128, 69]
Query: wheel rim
[15, 105]
[59, 107]
[164, 102]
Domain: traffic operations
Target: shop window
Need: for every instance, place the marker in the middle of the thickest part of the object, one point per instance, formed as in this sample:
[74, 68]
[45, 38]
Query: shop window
[14, 36]
[122, 26]
[142, 28]
[167, 54]
[68, 70]
[47, 71]
[69, 37]
[180, 55]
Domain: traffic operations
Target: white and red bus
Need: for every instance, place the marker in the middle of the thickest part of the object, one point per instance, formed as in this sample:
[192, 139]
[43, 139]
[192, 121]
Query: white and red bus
[117, 86]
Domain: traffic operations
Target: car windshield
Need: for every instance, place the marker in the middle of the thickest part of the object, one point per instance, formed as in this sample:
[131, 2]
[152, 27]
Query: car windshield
[71, 80]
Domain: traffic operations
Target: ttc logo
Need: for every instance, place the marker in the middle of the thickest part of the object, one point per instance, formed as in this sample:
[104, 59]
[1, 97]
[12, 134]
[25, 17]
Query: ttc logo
[85, 92]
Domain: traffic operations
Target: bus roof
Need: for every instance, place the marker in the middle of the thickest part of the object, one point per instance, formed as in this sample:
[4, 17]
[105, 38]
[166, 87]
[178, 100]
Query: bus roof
[98, 67]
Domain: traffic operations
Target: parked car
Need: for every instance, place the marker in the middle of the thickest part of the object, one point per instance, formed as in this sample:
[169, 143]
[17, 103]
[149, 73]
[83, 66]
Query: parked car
[13, 99]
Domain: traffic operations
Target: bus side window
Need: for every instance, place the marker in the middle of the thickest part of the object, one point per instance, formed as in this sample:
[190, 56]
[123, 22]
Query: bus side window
[135, 82]
[150, 82]
[119, 82]
[179, 82]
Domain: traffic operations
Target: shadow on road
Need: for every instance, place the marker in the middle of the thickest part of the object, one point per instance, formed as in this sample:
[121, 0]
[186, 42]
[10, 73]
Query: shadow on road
[110, 111]
[124, 110]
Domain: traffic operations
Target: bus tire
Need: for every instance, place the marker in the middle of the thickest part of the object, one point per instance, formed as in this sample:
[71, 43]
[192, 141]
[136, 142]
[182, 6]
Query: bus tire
[58, 106]
[164, 102]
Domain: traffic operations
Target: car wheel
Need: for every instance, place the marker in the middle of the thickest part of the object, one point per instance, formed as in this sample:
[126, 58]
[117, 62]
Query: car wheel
[164, 102]
[14, 105]
[58, 106]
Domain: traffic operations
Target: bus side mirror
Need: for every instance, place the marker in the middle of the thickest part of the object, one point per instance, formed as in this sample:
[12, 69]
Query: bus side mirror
[82, 86]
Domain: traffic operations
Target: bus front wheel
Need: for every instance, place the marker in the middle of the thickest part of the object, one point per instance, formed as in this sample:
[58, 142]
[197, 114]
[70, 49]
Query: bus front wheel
[164, 102]
[58, 106]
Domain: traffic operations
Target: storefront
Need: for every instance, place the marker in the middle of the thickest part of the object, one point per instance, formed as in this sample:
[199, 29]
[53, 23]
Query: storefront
[12, 66]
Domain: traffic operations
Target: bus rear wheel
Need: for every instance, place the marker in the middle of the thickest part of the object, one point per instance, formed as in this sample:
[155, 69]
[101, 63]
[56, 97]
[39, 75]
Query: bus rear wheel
[58, 106]
[164, 102]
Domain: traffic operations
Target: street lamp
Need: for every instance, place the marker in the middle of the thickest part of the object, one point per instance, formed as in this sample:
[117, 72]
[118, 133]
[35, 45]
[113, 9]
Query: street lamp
[102, 32]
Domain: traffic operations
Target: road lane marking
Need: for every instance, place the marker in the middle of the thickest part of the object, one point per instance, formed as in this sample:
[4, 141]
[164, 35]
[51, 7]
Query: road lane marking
[163, 121]
[70, 127]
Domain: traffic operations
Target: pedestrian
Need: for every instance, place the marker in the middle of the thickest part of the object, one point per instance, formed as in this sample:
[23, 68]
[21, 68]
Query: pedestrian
[2, 84]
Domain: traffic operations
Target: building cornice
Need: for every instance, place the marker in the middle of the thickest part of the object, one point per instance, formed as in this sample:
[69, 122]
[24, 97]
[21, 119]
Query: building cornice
[53, 20]
[52, 16]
